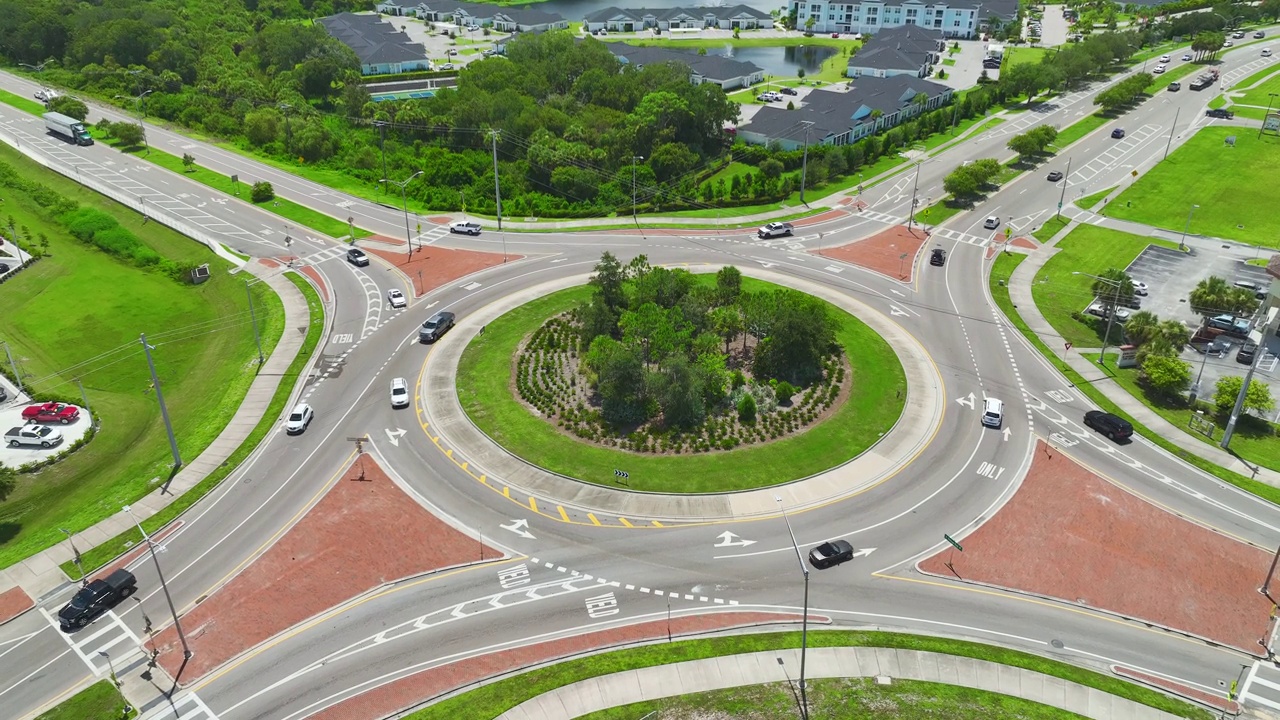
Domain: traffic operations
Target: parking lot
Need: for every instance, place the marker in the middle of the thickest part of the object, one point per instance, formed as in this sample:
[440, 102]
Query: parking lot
[11, 417]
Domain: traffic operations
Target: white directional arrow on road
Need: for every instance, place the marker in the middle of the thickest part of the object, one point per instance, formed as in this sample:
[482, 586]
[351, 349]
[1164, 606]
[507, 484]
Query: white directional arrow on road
[896, 311]
[518, 527]
[395, 435]
[1006, 434]
[863, 552]
[966, 401]
[728, 539]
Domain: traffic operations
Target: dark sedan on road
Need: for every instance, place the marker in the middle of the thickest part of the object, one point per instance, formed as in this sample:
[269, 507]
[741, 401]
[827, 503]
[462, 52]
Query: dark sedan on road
[830, 554]
[1219, 113]
[1055, 176]
[1116, 428]
[938, 257]
[1117, 133]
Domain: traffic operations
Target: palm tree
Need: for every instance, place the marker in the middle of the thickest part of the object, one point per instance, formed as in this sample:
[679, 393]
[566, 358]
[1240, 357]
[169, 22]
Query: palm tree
[1142, 328]
[1113, 286]
[1211, 296]
[1174, 332]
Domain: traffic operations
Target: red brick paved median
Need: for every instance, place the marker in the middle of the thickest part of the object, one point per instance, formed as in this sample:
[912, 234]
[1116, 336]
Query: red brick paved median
[342, 547]
[400, 694]
[434, 266]
[14, 602]
[882, 252]
[1069, 534]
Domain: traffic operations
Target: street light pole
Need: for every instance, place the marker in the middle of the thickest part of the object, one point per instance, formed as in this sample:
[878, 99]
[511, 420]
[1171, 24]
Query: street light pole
[915, 185]
[804, 626]
[1169, 144]
[404, 202]
[1062, 197]
[164, 411]
[1182, 242]
[804, 161]
[83, 581]
[1266, 330]
[497, 189]
[634, 160]
[186, 649]
[1111, 314]
[253, 318]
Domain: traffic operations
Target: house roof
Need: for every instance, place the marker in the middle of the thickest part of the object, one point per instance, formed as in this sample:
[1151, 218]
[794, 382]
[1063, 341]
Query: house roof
[911, 37]
[715, 67]
[889, 57]
[777, 123]
[833, 113]
[530, 16]
[637, 14]
[373, 41]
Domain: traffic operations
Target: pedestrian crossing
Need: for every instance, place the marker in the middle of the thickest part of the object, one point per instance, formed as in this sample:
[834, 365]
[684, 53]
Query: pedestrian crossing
[185, 705]
[106, 645]
[1262, 686]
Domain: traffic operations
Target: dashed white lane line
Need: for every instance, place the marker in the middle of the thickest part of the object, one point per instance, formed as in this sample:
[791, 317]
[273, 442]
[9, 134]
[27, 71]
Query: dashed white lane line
[648, 591]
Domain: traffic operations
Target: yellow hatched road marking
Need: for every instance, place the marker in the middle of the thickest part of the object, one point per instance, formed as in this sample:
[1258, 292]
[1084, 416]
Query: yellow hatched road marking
[563, 515]
[624, 522]
[593, 519]
[533, 503]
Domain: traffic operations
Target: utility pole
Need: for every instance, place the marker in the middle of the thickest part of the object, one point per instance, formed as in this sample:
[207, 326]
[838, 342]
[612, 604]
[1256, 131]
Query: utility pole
[1266, 330]
[164, 411]
[253, 317]
[84, 400]
[408, 237]
[804, 627]
[915, 185]
[497, 190]
[382, 146]
[634, 160]
[186, 649]
[804, 162]
[1111, 314]
[1063, 196]
[17, 377]
[1173, 127]
[1182, 242]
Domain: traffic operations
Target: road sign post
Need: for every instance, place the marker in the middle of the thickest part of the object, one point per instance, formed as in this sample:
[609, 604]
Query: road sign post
[955, 546]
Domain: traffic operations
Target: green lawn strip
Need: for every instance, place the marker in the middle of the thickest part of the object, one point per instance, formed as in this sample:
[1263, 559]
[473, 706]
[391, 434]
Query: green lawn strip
[1051, 227]
[1261, 94]
[1245, 84]
[1220, 101]
[495, 698]
[27, 106]
[1193, 174]
[948, 62]
[1021, 55]
[1248, 113]
[979, 124]
[204, 354]
[1078, 129]
[106, 552]
[938, 213]
[1254, 440]
[1088, 201]
[1000, 272]
[286, 209]
[844, 699]
[1087, 249]
[99, 701]
[484, 388]
[621, 223]
[1161, 81]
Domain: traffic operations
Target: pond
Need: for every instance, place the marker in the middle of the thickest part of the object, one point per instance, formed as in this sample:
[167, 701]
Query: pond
[780, 61]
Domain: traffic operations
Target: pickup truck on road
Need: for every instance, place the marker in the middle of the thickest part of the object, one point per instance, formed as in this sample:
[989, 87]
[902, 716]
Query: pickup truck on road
[96, 598]
[41, 435]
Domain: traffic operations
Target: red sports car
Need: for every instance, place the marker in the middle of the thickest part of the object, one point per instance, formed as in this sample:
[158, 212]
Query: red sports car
[51, 412]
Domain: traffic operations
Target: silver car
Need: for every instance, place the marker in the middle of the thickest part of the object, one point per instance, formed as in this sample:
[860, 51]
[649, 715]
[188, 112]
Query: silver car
[399, 393]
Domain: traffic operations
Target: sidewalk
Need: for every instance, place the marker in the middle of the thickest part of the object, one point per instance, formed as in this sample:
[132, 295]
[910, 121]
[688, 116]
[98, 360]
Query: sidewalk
[1020, 293]
[777, 666]
[39, 574]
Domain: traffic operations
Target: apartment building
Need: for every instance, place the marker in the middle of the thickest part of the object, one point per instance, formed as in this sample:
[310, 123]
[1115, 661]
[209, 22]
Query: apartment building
[953, 18]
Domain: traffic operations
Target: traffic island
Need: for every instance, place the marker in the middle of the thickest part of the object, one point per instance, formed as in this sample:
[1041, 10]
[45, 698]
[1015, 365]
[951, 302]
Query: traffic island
[14, 602]
[1069, 535]
[891, 253]
[431, 267]
[340, 549]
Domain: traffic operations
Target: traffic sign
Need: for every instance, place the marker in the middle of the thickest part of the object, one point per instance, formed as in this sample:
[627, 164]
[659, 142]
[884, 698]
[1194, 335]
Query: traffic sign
[954, 544]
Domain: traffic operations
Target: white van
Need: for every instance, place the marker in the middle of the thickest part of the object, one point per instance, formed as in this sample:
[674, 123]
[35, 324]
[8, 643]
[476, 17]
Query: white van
[992, 412]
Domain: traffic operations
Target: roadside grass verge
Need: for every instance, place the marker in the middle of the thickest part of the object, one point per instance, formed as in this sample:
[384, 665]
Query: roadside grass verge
[106, 552]
[24, 104]
[623, 223]
[484, 389]
[1088, 201]
[495, 698]
[1051, 227]
[1235, 205]
[844, 699]
[998, 282]
[1062, 296]
[76, 315]
[1078, 129]
[99, 701]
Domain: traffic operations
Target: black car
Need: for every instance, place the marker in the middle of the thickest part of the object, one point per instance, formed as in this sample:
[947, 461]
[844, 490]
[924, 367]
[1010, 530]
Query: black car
[1055, 176]
[1116, 428]
[356, 257]
[435, 326]
[1218, 346]
[1117, 133]
[96, 598]
[1219, 113]
[938, 257]
[1246, 353]
[788, 90]
[4, 268]
[830, 554]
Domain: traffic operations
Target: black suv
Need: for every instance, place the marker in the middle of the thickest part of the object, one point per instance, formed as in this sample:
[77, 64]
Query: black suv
[787, 90]
[356, 257]
[938, 257]
[1246, 353]
[435, 326]
[96, 598]
[1219, 113]
[1113, 427]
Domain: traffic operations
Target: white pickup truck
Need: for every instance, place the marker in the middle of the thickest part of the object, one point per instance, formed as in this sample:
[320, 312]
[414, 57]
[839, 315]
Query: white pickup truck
[41, 435]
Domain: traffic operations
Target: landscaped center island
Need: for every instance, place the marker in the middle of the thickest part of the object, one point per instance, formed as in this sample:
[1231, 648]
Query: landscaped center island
[685, 383]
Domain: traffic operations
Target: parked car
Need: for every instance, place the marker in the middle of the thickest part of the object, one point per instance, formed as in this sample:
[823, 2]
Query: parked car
[1099, 310]
[399, 393]
[1115, 428]
[789, 91]
[465, 227]
[4, 268]
[96, 598]
[299, 419]
[1055, 176]
[51, 412]
[991, 223]
[1230, 324]
[445, 66]
[938, 257]
[435, 326]
[1219, 346]
[830, 554]
[1219, 113]
[775, 229]
[1117, 133]
[34, 435]
[356, 257]
[835, 35]
[1246, 353]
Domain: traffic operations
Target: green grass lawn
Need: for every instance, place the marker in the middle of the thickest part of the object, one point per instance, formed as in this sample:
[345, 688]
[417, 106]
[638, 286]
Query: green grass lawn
[843, 699]
[495, 698]
[1058, 293]
[1022, 55]
[1232, 186]
[1088, 201]
[99, 701]
[104, 553]
[26, 105]
[204, 353]
[484, 388]
[1051, 227]
[1260, 94]
[1078, 129]
[948, 62]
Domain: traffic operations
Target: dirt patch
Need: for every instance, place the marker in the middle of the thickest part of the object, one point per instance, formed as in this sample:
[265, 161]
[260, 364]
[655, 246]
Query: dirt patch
[1070, 535]
[341, 548]
[432, 266]
[429, 684]
[14, 602]
[883, 252]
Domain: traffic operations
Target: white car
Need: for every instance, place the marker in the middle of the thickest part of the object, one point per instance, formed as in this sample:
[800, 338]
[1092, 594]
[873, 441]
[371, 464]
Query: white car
[299, 419]
[399, 393]
[991, 223]
[396, 298]
[1186, 57]
[1266, 52]
[465, 227]
[1164, 58]
[1139, 288]
[775, 229]
[1100, 310]
[1227, 44]
[1159, 69]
